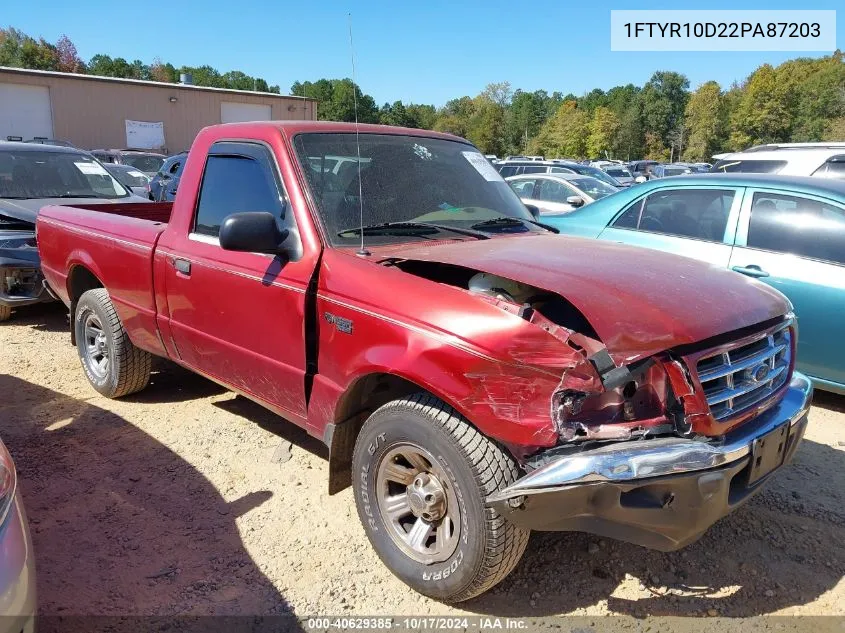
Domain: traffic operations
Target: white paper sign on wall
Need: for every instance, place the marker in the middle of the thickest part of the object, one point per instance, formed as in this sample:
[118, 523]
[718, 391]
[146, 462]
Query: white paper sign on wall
[144, 134]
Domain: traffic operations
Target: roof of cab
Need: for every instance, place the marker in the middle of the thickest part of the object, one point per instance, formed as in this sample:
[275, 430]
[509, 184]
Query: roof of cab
[290, 128]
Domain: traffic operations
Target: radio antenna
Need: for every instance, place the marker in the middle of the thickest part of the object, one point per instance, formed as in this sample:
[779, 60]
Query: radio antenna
[361, 251]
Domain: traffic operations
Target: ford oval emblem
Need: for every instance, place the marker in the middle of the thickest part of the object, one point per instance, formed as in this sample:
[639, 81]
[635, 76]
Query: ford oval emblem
[760, 373]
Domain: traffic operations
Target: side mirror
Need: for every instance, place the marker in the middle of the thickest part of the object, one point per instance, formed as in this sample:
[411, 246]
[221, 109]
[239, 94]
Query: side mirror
[575, 201]
[640, 179]
[252, 232]
[535, 211]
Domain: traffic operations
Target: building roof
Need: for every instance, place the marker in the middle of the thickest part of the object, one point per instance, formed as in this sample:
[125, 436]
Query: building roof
[144, 82]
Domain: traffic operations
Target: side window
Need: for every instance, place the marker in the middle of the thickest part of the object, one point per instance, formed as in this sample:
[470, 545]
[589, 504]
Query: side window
[833, 168]
[232, 183]
[561, 170]
[534, 169]
[507, 171]
[700, 214]
[554, 191]
[523, 188]
[174, 167]
[801, 226]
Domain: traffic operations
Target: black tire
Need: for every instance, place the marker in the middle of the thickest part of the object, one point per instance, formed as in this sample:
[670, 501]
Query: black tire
[488, 546]
[5, 313]
[128, 368]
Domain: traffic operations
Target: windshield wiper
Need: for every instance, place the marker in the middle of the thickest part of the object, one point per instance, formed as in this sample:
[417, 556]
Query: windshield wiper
[512, 221]
[388, 227]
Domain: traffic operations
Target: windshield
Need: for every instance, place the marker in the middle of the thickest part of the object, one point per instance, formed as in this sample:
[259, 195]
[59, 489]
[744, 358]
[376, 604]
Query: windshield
[128, 176]
[586, 170]
[618, 172]
[592, 187]
[145, 162]
[403, 179]
[749, 166]
[676, 171]
[46, 174]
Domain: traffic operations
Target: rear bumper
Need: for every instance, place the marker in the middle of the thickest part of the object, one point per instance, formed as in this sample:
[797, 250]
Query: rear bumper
[663, 493]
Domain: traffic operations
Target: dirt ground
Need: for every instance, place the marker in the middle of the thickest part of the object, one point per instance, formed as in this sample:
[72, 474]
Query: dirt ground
[181, 500]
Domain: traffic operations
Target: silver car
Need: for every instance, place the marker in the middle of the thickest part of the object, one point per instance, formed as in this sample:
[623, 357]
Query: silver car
[620, 173]
[554, 194]
[17, 563]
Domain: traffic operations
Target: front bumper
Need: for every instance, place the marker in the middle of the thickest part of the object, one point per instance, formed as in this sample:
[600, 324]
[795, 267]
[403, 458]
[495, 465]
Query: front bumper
[17, 573]
[21, 283]
[661, 493]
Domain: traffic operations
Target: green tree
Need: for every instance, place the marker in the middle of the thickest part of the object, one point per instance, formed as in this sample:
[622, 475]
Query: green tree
[337, 99]
[527, 112]
[395, 114]
[603, 128]
[664, 99]
[565, 134]
[421, 116]
[819, 97]
[762, 114]
[706, 122]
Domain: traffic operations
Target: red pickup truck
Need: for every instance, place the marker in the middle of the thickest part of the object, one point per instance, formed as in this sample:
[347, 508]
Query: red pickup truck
[474, 375]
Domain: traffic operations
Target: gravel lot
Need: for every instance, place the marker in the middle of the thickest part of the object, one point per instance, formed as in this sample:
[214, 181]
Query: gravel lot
[181, 499]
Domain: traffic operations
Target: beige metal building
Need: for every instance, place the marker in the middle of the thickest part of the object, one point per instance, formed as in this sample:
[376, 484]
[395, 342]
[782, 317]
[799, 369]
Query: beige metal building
[107, 112]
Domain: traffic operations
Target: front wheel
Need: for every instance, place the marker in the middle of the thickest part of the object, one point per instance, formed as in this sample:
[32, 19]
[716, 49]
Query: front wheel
[112, 364]
[421, 477]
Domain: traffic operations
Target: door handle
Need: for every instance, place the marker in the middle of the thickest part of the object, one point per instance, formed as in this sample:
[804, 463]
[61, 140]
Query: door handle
[752, 270]
[181, 265]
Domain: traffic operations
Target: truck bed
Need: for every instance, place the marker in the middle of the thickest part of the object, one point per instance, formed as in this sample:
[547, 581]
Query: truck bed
[116, 243]
[154, 211]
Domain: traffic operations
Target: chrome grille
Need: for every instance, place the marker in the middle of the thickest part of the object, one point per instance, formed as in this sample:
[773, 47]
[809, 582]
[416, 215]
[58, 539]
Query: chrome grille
[740, 377]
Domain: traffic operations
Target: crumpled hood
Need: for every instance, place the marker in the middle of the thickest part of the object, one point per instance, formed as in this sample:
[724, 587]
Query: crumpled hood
[639, 301]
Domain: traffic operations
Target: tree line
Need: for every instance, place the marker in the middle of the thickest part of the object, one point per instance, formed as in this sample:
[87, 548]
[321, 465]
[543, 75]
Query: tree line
[19, 50]
[800, 100]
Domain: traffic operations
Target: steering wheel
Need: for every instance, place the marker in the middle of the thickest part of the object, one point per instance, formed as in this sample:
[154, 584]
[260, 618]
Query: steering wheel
[650, 223]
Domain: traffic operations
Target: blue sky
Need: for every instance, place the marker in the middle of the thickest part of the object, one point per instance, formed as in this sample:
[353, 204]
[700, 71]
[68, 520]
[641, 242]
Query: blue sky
[425, 52]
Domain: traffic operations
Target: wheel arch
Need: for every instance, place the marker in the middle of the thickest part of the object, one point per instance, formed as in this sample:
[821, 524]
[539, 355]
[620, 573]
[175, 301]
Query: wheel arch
[80, 279]
[364, 395]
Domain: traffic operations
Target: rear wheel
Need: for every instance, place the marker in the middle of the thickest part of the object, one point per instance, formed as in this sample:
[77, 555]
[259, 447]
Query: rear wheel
[421, 477]
[5, 313]
[112, 364]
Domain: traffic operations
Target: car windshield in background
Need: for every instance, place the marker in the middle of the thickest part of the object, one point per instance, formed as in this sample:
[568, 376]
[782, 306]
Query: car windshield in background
[144, 162]
[676, 171]
[595, 172]
[405, 179]
[618, 173]
[44, 174]
[127, 175]
[749, 166]
[593, 187]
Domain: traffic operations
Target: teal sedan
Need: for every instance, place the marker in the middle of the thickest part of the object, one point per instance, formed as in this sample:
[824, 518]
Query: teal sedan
[786, 231]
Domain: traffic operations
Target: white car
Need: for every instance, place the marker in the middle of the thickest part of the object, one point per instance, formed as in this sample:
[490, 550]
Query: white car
[825, 160]
[554, 194]
[17, 562]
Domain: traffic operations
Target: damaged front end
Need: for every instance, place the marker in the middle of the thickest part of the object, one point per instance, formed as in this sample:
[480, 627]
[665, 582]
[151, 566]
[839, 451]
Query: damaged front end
[20, 272]
[638, 453]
